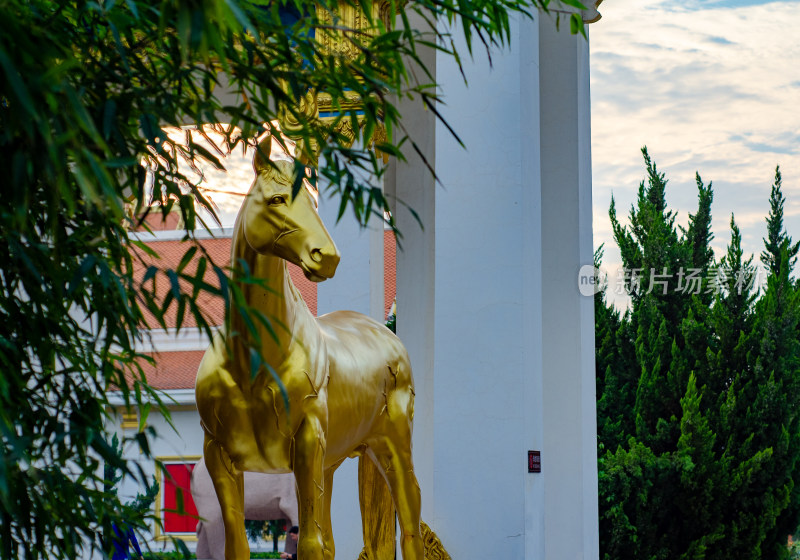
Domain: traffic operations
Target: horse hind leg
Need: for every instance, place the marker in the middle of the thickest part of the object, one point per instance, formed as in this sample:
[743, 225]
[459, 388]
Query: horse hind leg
[377, 512]
[393, 457]
[229, 486]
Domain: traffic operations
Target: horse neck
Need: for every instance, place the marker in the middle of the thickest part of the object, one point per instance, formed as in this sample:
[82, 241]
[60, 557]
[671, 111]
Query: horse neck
[276, 303]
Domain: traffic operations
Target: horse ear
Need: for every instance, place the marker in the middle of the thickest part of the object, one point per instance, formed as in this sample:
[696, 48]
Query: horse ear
[263, 151]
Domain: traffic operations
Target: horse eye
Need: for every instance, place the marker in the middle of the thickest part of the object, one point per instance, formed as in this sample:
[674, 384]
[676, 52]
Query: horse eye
[277, 199]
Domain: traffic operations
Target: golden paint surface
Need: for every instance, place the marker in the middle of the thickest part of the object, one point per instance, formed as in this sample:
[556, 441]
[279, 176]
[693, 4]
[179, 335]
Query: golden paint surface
[348, 380]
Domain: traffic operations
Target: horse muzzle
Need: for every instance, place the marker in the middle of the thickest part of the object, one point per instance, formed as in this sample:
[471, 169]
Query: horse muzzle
[321, 264]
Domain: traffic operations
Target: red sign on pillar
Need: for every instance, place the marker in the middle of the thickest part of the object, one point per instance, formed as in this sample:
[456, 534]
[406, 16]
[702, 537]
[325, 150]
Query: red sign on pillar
[534, 461]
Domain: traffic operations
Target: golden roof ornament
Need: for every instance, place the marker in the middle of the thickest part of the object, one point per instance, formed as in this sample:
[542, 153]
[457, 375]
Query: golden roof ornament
[337, 26]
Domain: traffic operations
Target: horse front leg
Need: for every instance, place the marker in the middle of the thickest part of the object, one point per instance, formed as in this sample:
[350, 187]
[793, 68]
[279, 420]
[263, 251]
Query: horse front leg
[309, 458]
[327, 528]
[229, 485]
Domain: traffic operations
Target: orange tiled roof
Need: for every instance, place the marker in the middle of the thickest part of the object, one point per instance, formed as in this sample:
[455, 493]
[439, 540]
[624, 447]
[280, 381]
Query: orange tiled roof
[218, 250]
[173, 370]
[170, 254]
[389, 270]
[158, 222]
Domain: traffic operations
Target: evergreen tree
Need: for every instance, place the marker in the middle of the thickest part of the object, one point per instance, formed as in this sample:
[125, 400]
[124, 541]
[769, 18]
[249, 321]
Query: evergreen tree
[276, 528]
[707, 468]
[777, 237]
[774, 393]
[255, 528]
[614, 359]
[731, 319]
[698, 235]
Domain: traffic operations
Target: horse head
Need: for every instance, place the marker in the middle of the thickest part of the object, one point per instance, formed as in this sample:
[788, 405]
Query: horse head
[277, 223]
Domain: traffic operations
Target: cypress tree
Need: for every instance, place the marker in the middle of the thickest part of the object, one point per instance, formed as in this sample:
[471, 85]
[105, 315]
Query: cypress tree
[777, 237]
[699, 428]
[616, 385]
[774, 391]
[698, 234]
[732, 318]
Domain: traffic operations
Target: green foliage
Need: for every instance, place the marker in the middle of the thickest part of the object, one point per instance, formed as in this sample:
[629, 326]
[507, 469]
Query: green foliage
[391, 320]
[170, 555]
[139, 507]
[616, 391]
[85, 88]
[142, 502]
[276, 528]
[698, 393]
[777, 239]
[258, 529]
[254, 529]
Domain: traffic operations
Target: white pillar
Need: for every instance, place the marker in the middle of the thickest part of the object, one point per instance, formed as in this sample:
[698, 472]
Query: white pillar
[357, 286]
[569, 456]
[532, 284]
[481, 333]
[413, 186]
[503, 354]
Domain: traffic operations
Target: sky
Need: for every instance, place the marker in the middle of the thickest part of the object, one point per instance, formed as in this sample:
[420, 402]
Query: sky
[709, 86]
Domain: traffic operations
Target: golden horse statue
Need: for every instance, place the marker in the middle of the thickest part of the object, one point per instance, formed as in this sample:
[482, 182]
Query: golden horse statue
[348, 380]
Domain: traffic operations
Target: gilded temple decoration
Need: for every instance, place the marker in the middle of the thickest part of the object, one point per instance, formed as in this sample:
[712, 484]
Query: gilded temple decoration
[335, 34]
[352, 20]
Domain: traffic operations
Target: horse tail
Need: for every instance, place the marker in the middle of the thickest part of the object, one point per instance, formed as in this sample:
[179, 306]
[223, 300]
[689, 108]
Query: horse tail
[377, 512]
